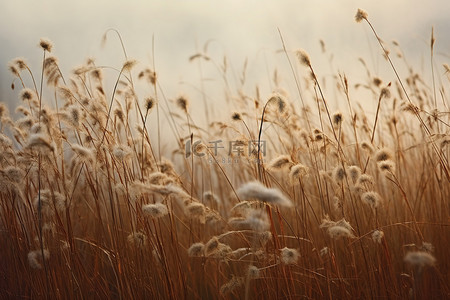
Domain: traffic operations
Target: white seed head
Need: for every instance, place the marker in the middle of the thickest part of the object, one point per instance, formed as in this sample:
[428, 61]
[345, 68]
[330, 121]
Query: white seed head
[337, 232]
[279, 163]
[257, 191]
[297, 172]
[377, 236]
[253, 272]
[137, 239]
[303, 57]
[354, 172]
[420, 259]
[35, 258]
[289, 256]
[371, 198]
[196, 250]
[155, 211]
[339, 174]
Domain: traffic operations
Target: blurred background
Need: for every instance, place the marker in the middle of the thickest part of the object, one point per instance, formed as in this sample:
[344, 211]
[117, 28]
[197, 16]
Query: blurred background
[240, 30]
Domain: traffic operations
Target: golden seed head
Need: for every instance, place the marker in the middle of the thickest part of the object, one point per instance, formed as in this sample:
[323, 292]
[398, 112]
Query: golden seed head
[361, 15]
[253, 272]
[385, 92]
[20, 63]
[280, 162]
[339, 174]
[129, 64]
[137, 239]
[236, 116]
[337, 119]
[26, 94]
[289, 256]
[46, 44]
[386, 166]
[383, 154]
[196, 250]
[377, 236]
[13, 69]
[371, 198]
[183, 103]
[420, 259]
[377, 81]
[155, 211]
[149, 103]
[303, 57]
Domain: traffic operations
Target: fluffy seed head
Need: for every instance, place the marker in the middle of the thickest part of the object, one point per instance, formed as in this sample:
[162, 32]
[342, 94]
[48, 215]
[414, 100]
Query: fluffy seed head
[97, 74]
[377, 236]
[383, 154]
[211, 246]
[253, 272]
[354, 172]
[338, 229]
[196, 210]
[303, 57]
[386, 166]
[385, 92]
[84, 154]
[39, 142]
[149, 103]
[360, 15]
[280, 162]
[196, 250]
[122, 152]
[367, 147]
[211, 198]
[242, 208]
[35, 258]
[298, 171]
[27, 94]
[337, 119]
[365, 179]
[236, 116]
[420, 259]
[289, 256]
[137, 239]
[278, 100]
[337, 232]
[20, 63]
[14, 174]
[371, 198]
[377, 81]
[46, 44]
[155, 211]
[49, 201]
[427, 247]
[129, 64]
[257, 191]
[339, 174]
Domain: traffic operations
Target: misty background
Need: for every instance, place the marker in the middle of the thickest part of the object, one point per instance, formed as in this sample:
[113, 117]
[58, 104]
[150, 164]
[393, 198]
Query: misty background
[239, 30]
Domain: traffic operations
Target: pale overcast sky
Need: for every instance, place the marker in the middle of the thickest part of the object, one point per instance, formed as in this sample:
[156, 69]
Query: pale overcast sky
[240, 29]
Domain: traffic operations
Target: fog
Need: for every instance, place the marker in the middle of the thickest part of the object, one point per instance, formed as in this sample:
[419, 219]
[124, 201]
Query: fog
[236, 29]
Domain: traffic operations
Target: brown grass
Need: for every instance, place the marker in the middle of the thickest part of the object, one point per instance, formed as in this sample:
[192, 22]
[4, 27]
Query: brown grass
[94, 204]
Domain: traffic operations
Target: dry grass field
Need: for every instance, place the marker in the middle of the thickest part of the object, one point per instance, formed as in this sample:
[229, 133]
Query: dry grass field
[277, 198]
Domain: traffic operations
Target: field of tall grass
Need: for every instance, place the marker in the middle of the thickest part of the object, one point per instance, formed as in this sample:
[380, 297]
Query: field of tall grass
[105, 193]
